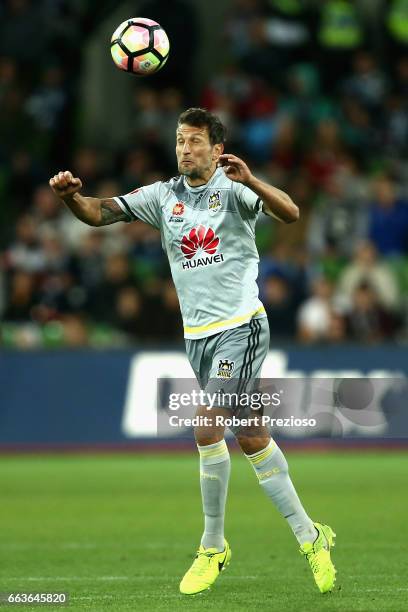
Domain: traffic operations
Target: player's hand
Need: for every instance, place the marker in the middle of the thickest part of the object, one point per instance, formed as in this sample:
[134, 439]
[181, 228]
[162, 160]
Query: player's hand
[64, 184]
[235, 168]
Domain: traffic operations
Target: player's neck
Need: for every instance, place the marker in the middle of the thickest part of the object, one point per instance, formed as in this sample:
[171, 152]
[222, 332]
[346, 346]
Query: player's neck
[199, 181]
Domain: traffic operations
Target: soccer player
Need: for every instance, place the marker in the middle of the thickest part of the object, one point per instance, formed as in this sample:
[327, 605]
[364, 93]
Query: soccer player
[207, 217]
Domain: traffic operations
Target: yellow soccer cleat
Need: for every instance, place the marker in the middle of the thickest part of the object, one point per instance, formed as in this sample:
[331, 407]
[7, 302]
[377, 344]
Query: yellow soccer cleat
[318, 555]
[205, 569]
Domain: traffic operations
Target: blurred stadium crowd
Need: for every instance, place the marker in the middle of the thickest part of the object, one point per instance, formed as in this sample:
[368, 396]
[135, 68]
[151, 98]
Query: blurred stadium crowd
[315, 98]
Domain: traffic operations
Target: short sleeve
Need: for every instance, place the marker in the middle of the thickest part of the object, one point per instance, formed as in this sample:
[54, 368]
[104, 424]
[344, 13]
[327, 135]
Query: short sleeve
[143, 204]
[247, 199]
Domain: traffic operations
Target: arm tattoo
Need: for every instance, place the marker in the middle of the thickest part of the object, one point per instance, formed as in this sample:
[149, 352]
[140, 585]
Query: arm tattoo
[111, 212]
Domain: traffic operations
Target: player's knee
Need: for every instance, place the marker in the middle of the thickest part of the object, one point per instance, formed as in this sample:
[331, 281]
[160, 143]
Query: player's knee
[204, 437]
[251, 444]
[211, 432]
[252, 439]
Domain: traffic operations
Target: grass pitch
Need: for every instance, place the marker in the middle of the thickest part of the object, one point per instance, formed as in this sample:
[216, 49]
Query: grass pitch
[118, 532]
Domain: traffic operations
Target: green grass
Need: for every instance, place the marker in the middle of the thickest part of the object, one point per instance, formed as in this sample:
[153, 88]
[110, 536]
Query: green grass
[117, 533]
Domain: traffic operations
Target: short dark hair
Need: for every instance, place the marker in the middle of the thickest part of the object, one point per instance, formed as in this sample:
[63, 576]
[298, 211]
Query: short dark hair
[200, 117]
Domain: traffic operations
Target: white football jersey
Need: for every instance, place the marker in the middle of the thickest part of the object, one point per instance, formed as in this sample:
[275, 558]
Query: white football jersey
[208, 234]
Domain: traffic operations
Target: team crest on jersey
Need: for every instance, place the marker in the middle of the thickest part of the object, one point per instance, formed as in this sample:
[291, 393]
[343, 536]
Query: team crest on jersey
[225, 368]
[178, 211]
[214, 202]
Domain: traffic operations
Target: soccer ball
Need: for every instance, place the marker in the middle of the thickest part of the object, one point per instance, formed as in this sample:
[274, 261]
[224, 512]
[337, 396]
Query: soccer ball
[140, 46]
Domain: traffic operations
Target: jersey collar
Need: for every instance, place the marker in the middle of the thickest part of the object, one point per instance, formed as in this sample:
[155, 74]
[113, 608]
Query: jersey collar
[205, 186]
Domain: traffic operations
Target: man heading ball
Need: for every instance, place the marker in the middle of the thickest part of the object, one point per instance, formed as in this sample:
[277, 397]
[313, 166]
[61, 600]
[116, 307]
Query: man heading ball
[206, 217]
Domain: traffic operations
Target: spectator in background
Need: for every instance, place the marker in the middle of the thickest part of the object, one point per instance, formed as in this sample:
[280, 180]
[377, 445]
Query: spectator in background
[130, 315]
[295, 237]
[16, 127]
[87, 263]
[171, 107]
[169, 325]
[117, 276]
[135, 165]
[25, 252]
[57, 296]
[315, 314]
[261, 127]
[20, 174]
[326, 153]
[304, 100]
[360, 131]
[395, 22]
[21, 297]
[74, 331]
[388, 218]
[396, 126]
[340, 32]
[88, 163]
[340, 219]
[367, 269]
[46, 211]
[367, 320]
[281, 261]
[260, 60]
[396, 112]
[401, 77]
[367, 83]
[241, 15]
[22, 34]
[175, 17]
[229, 86]
[46, 106]
[147, 115]
[287, 37]
[284, 153]
[280, 305]
[8, 75]
[337, 329]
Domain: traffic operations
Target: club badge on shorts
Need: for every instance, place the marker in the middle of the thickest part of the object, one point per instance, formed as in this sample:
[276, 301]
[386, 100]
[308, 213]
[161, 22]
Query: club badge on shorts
[225, 368]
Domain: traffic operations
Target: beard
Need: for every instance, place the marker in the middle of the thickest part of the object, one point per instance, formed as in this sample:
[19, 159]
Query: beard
[193, 172]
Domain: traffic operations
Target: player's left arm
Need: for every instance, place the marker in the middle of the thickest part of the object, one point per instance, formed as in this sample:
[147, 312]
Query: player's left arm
[276, 203]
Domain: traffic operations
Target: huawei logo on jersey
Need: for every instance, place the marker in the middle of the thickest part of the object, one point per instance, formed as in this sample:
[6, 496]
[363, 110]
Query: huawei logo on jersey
[200, 240]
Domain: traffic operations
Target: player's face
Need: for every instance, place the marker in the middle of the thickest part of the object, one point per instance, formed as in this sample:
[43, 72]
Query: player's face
[196, 156]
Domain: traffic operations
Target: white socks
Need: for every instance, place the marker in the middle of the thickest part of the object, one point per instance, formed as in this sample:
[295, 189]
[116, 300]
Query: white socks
[271, 469]
[215, 467]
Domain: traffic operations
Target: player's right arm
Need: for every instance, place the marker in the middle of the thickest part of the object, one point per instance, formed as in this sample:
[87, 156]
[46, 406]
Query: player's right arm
[93, 211]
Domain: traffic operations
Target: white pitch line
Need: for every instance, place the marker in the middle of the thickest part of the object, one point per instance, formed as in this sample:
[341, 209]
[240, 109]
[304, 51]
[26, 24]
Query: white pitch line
[63, 578]
[107, 578]
[389, 588]
[83, 545]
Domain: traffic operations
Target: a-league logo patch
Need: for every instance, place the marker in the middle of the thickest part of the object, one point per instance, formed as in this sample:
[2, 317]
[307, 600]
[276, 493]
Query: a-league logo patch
[214, 202]
[178, 208]
[177, 213]
[225, 368]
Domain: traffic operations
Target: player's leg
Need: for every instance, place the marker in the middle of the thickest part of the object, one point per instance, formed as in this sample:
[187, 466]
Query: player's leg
[270, 464]
[272, 472]
[271, 469]
[214, 553]
[215, 467]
